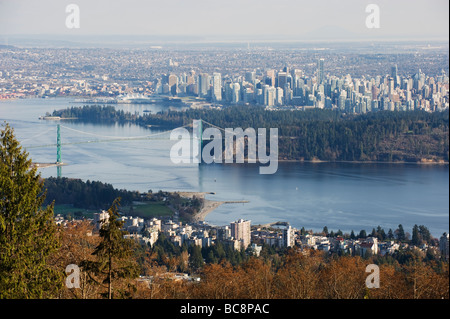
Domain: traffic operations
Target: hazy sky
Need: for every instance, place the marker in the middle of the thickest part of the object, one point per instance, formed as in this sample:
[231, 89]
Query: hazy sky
[412, 19]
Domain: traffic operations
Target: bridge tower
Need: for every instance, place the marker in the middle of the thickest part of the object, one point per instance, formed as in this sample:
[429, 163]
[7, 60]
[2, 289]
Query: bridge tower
[58, 145]
[198, 140]
[200, 134]
[58, 151]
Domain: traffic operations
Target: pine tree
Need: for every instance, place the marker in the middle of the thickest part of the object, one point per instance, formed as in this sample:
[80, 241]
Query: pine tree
[390, 234]
[196, 258]
[415, 236]
[303, 231]
[113, 253]
[27, 230]
[381, 233]
[374, 233]
[401, 233]
[362, 233]
[425, 233]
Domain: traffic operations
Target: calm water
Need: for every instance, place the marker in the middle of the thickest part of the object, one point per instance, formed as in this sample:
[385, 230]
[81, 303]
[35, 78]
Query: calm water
[341, 196]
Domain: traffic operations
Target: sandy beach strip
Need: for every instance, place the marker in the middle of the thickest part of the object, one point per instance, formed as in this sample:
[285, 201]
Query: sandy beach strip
[208, 205]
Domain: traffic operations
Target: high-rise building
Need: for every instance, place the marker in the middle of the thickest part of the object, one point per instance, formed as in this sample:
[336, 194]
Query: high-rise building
[271, 96]
[264, 93]
[391, 85]
[217, 87]
[235, 98]
[270, 77]
[375, 92]
[341, 100]
[297, 73]
[320, 71]
[394, 71]
[248, 95]
[279, 96]
[223, 233]
[190, 80]
[394, 75]
[228, 91]
[282, 79]
[203, 84]
[288, 94]
[240, 230]
[173, 84]
[250, 77]
[288, 238]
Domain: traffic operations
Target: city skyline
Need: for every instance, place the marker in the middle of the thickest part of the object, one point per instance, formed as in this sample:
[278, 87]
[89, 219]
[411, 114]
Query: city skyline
[310, 83]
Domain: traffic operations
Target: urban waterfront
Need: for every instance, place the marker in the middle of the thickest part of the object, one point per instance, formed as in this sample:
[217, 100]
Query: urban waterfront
[345, 196]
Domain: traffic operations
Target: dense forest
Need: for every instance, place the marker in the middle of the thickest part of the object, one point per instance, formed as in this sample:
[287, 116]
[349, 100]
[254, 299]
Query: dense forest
[93, 195]
[316, 134]
[87, 195]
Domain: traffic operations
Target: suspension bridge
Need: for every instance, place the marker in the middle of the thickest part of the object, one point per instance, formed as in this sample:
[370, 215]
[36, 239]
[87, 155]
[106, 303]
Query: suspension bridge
[197, 127]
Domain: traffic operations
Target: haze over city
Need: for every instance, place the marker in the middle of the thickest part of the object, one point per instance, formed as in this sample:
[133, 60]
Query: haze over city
[215, 21]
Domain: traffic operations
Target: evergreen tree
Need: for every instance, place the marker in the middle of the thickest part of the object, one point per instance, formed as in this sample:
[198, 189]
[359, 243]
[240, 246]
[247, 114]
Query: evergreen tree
[114, 252]
[210, 258]
[27, 230]
[352, 235]
[401, 233]
[425, 233]
[303, 231]
[381, 235]
[196, 258]
[415, 236]
[374, 233]
[379, 229]
[390, 234]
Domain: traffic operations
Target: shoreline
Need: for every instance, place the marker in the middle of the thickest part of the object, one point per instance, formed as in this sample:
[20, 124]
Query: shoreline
[366, 162]
[349, 162]
[208, 205]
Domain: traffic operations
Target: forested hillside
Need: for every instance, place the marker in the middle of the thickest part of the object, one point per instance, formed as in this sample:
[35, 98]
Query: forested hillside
[313, 134]
[88, 195]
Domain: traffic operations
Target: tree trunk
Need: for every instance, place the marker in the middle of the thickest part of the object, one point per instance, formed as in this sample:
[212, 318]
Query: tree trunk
[109, 278]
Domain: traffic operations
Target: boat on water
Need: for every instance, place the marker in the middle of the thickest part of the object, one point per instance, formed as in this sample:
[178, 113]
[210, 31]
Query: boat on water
[135, 98]
[50, 118]
[105, 100]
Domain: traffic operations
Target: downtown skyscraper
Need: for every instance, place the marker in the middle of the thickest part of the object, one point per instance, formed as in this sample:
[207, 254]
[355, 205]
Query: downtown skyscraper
[203, 84]
[320, 72]
[217, 87]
